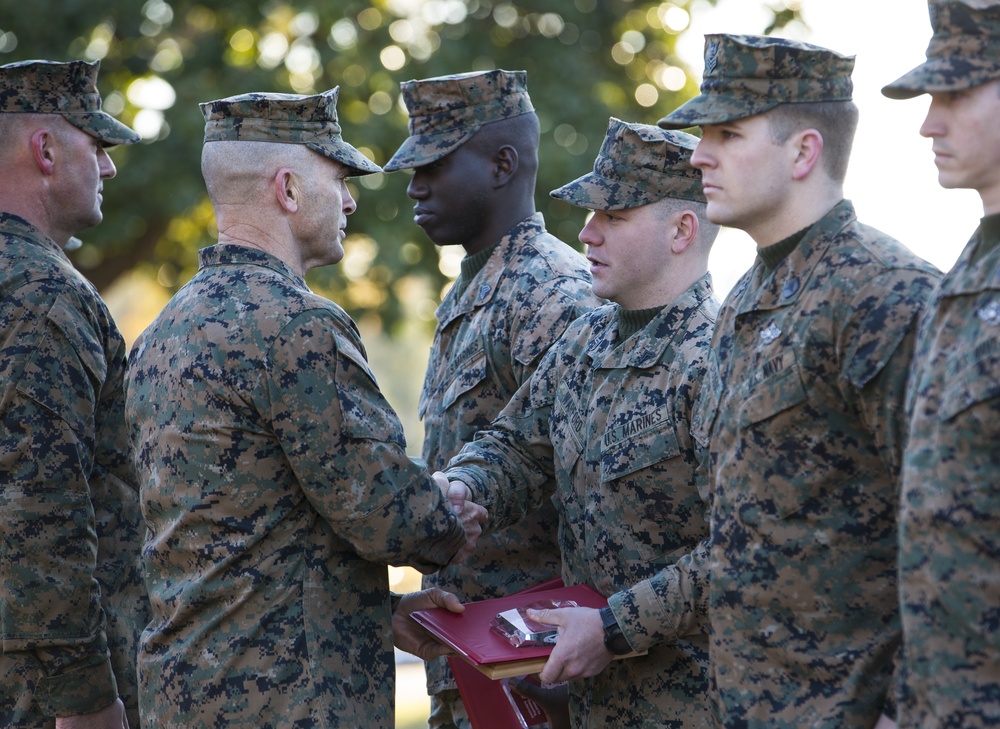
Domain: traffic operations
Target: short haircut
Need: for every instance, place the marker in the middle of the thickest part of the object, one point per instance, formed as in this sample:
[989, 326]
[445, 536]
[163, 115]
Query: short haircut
[707, 230]
[234, 170]
[8, 131]
[836, 121]
[13, 125]
[521, 132]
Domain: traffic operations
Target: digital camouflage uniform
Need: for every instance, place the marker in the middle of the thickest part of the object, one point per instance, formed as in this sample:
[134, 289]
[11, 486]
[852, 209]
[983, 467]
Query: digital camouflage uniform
[608, 420]
[72, 602]
[803, 403]
[949, 553]
[490, 336]
[275, 486]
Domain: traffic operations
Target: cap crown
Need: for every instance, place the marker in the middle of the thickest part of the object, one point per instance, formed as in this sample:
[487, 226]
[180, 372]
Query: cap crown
[284, 119]
[447, 110]
[963, 52]
[637, 164]
[747, 75]
[68, 89]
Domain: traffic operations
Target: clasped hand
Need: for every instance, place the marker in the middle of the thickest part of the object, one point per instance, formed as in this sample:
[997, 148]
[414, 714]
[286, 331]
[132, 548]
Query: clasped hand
[471, 515]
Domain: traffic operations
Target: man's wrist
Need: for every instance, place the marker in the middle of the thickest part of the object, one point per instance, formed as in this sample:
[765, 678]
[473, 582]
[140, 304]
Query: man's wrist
[614, 639]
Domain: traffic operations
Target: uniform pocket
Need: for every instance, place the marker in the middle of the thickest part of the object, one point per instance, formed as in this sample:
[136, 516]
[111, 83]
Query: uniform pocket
[977, 381]
[641, 442]
[649, 502]
[772, 396]
[777, 433]
[469, 372]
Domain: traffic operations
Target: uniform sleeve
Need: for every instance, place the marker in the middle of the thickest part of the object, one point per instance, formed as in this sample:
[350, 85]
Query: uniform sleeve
[879, 341]
[882, 334]
[346, 446]
[671, 604]
[53, 367]
[510, 467]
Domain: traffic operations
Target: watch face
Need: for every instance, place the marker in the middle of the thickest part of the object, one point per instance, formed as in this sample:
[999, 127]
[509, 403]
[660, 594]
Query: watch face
[619, 645]
[614, 641]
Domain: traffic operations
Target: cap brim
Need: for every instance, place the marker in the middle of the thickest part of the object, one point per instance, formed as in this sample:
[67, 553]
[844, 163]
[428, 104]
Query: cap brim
[595, 192]
[713, 109]
[348, 156]
[104, 127]
[943, 74]
[422, 149]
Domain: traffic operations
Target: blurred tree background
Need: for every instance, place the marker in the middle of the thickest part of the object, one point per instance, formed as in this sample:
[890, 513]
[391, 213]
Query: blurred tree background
[586, 61]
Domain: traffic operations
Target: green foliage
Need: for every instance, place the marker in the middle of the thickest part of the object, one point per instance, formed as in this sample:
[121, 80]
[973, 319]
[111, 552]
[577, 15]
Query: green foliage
[587, 61]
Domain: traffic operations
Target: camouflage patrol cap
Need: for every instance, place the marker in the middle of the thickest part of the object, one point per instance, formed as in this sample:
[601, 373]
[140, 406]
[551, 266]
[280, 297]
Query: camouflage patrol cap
[637, 164]
[446, 111]
[67, 89]
[285, 119]
[964, 50]
[750, 74]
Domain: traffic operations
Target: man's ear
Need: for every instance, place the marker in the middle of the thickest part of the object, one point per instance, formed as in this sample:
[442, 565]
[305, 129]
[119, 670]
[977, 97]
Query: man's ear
[43, 150]
[685, 231]
[809, 149]
[505, 164]
[287, 190]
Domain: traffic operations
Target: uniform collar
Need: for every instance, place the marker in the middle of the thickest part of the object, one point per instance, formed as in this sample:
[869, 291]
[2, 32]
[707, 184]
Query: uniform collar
[977, 267]
[763, 289]
[481, 289]
[229, 254]
[648, 346]
[11, 224]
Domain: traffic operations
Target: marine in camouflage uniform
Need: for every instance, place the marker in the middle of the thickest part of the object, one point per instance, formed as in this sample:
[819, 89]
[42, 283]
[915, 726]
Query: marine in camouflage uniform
[603, 428]
[949, 553]
[803, 404]
[274, 477]
[72, 602]
[513, 299]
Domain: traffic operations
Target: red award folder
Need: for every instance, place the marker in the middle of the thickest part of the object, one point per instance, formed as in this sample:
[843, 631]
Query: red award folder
[469, 633]
[491, 704]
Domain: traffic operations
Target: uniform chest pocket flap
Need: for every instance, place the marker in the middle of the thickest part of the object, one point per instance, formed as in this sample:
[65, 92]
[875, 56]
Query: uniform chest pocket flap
[975, 383]
[466, 372]
[639, 443]
[767, 396]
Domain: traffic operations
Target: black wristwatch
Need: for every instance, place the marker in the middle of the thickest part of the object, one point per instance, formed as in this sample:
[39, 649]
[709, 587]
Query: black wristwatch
[614, 639]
